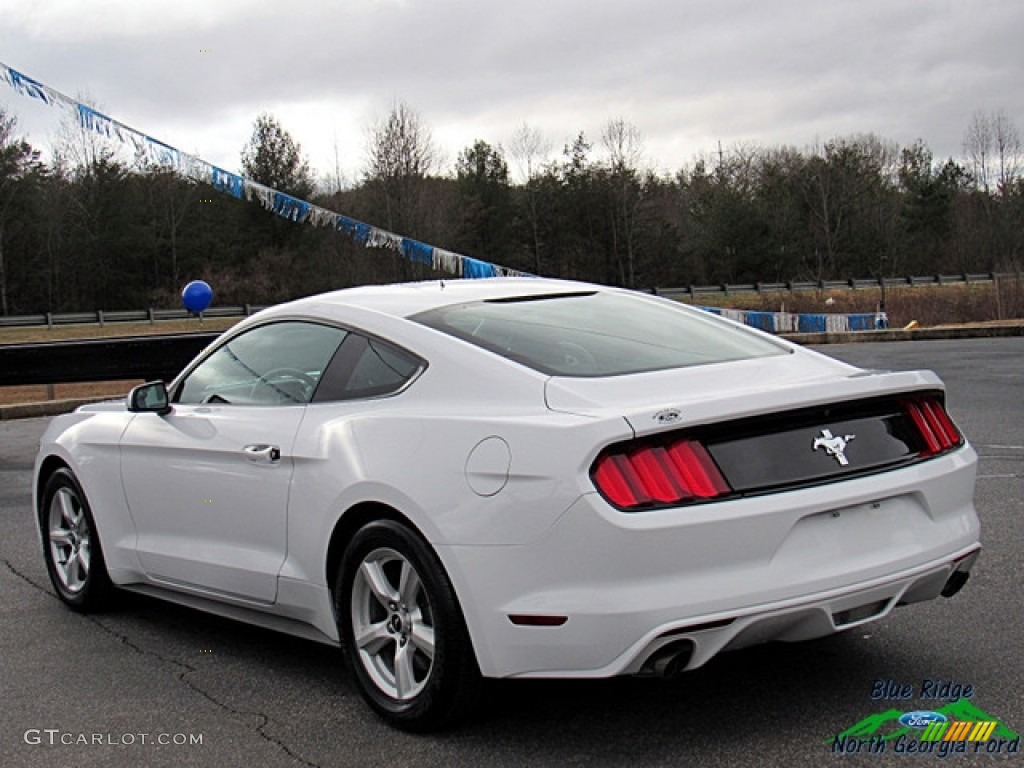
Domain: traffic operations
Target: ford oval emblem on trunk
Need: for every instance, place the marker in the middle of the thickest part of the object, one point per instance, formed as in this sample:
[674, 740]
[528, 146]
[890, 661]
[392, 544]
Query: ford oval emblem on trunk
[670, 416]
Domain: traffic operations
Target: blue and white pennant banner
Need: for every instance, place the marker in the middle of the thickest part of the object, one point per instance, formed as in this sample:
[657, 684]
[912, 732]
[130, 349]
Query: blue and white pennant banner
[300, 211]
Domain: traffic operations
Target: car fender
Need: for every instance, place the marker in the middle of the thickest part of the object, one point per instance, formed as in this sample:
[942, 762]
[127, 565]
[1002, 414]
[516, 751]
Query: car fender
[87, 441]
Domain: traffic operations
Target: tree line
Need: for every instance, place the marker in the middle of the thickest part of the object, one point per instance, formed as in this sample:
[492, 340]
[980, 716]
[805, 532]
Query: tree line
[92, 229]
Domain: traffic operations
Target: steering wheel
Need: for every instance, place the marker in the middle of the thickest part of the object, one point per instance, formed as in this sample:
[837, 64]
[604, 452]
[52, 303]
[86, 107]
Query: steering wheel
[277, 376]
[576, 357]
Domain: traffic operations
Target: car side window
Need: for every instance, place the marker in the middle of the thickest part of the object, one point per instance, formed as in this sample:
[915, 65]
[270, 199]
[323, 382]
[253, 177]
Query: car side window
[367, 367]
[276, 364]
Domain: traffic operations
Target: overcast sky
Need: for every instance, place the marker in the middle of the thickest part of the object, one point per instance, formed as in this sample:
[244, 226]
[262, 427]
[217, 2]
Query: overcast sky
[687, 73]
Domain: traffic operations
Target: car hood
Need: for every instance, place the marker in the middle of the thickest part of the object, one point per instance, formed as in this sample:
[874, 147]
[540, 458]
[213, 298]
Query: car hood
[105, 405]
[655, 401]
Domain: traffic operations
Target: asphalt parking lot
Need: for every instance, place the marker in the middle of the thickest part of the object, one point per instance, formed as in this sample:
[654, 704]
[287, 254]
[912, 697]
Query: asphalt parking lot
[152, 684]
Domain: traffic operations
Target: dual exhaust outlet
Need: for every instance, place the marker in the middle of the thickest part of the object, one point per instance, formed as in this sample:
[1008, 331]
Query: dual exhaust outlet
[671, 659]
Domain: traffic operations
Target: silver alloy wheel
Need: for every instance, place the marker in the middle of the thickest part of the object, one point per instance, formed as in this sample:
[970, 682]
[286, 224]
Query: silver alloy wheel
[70, 539]
[393, 624]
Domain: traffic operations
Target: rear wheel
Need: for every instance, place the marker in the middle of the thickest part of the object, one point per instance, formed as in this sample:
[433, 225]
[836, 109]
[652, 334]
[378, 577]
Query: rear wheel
[405, 639]
[71, 547]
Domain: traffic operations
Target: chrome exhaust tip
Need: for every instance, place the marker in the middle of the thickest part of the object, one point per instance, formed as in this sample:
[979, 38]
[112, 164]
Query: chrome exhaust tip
[669, 661]
[960, 573]
[955, 583]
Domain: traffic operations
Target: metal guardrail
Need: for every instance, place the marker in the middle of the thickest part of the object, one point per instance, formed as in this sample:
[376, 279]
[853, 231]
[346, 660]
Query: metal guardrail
[834, 285]
[102, 317]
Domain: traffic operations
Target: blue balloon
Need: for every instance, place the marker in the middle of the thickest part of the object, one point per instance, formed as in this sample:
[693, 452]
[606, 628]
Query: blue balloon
[197, 296]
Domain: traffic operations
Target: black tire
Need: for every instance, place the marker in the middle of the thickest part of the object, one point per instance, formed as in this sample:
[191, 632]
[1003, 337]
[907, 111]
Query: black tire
[71, 545]
[415, 664]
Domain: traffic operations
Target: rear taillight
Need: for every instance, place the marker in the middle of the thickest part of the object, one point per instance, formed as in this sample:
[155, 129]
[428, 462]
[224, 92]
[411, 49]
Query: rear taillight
[657, 474]
[938, 432]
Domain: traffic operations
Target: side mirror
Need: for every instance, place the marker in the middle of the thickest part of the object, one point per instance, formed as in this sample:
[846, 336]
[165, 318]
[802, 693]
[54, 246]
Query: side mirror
[150, 397]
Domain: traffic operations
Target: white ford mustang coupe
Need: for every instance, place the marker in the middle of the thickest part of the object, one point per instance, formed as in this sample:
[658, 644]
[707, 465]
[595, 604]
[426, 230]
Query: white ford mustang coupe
[512, 478]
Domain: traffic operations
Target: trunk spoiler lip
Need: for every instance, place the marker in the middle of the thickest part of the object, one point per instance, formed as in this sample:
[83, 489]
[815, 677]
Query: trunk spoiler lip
[670, 406]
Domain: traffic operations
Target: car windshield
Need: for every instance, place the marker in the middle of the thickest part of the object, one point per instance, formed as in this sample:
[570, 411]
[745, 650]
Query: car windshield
[597, 333]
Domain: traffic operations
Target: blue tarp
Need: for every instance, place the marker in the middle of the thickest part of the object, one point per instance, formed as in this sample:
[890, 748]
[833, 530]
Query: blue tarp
[811, 324]
[765, 321]
[862, 322]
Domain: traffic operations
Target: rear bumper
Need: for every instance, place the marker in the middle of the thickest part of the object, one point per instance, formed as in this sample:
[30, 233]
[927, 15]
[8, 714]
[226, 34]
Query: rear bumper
[787, 566]
[800, 620]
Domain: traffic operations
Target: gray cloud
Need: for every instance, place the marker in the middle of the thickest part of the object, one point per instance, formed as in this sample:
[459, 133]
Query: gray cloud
[688, 74]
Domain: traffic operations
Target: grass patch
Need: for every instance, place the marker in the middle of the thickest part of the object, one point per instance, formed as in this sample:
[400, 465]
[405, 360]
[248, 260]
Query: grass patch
[38, 393]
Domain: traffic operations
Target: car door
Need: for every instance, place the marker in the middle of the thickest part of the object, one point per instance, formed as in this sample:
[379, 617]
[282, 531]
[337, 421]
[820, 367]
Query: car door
[207, 484]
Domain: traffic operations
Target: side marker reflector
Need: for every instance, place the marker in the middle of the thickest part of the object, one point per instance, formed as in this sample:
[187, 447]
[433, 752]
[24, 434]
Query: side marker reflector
[529, 620]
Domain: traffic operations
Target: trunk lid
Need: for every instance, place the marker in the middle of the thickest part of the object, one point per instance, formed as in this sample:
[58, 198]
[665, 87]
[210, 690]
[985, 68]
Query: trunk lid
[766, 424]
[664, 400]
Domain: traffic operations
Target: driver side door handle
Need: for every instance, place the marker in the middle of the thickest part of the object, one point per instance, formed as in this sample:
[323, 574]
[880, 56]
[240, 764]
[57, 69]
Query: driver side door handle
[260, 453]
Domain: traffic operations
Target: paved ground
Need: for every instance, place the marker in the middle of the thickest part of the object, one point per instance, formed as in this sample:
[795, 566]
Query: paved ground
[259, 699]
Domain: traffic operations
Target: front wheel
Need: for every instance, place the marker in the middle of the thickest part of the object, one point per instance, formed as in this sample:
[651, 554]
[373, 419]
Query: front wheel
[71, 547]
[404, 636]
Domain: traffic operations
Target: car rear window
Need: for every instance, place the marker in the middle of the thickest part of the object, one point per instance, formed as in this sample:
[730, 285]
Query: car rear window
[597, 333]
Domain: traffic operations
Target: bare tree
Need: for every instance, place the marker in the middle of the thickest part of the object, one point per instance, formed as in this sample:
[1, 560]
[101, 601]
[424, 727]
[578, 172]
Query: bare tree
[334, 184]
[77, 149]
[401, 145]
[529, 149]
[1008, 150]
[171, 197]
[401, 153]
[625, 150]
[845, 188]
[623, 143]
[992, 144]
[977, 146]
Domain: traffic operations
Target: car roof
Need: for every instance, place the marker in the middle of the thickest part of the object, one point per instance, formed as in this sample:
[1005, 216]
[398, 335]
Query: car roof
[406, 299]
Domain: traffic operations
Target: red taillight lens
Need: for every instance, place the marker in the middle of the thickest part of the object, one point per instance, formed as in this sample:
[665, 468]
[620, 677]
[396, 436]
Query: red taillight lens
[657, 474]
[933, 424]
